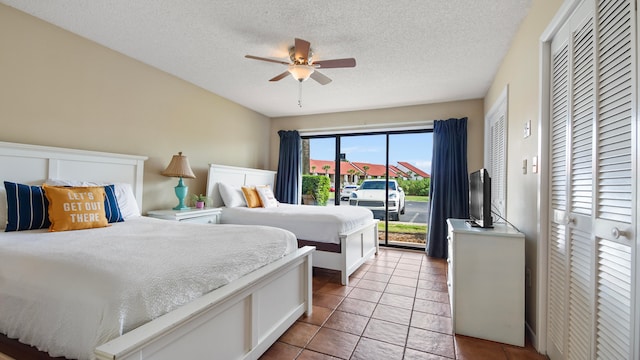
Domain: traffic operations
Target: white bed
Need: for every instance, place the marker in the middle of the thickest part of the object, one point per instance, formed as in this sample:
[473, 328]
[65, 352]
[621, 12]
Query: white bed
[352, 230]
[314, 223]
[181, 316]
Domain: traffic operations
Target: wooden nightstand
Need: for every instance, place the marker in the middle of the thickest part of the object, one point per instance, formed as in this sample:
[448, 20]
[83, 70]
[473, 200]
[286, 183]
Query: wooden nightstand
[201, 216]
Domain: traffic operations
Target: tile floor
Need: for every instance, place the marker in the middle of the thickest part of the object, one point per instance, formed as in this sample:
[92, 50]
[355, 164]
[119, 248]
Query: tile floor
[395, 307]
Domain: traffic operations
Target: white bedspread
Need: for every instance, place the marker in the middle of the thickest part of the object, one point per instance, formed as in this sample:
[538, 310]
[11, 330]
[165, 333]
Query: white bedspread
[313, 223]
[68, 292]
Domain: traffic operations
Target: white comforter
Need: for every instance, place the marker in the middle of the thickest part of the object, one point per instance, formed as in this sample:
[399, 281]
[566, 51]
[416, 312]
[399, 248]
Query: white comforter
[313, 223]
[68, 292]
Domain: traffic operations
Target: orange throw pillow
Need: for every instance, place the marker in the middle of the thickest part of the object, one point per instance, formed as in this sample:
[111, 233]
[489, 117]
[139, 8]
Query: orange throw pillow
[75, 208]
[251, 196]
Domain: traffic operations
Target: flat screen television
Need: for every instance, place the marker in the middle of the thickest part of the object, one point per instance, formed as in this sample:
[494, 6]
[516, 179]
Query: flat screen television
[480, 199]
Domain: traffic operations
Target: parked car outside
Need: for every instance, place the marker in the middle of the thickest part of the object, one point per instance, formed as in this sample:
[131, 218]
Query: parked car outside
[345, 194]
[371, 194]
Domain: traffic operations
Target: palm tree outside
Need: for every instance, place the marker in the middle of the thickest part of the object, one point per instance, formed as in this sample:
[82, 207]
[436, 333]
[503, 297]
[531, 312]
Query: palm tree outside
[351, 173]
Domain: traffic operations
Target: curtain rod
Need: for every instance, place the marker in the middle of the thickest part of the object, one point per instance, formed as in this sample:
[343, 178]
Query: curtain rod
[418, 125]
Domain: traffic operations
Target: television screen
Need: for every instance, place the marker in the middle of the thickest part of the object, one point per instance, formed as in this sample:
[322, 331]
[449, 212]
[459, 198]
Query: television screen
[480, 198]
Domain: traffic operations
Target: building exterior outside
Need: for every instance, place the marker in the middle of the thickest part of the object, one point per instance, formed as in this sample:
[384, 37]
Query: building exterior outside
[414, 172]
[353, 172]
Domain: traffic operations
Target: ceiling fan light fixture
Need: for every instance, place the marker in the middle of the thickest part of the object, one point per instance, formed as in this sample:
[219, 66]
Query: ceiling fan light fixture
[302, 67]
[301, 72]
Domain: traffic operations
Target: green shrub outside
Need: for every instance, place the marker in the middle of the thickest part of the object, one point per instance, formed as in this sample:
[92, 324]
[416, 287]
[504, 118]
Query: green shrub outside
[415, 187]
[318, 186]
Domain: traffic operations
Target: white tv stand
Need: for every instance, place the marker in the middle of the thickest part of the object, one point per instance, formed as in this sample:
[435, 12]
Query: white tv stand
[486, 281]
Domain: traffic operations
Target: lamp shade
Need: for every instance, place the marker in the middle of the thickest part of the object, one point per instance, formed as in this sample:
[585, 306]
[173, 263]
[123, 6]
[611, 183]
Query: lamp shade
[301, 72]
[179, 167]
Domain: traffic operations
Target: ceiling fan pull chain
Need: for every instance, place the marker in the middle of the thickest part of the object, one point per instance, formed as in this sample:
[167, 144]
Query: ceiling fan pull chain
[300, 93]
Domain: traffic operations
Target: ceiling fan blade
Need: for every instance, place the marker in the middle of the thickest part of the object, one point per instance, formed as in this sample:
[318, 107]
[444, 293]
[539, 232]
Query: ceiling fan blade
[302, 50]
[321, 78]
[265, 59]
[337, 63]
[280, 77]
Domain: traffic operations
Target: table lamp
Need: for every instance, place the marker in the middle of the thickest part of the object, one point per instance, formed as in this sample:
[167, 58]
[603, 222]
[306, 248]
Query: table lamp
[179, 167]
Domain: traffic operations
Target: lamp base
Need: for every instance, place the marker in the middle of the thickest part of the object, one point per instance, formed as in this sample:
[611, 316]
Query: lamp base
[181, 193]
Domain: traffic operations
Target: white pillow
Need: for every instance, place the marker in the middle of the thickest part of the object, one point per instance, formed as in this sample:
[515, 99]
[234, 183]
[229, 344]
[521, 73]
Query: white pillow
[231, 196]
[124, 194]
[266, 196]
[3, 208]
[126, 200]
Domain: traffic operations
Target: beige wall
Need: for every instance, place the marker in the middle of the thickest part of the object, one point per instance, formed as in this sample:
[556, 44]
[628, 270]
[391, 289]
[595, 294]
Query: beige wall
[520, 71]
[59, 89]
[388, 119]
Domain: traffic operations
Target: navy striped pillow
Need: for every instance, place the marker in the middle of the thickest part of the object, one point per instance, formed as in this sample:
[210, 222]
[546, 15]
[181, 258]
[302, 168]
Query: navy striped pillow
[111, 208]
[26, 207]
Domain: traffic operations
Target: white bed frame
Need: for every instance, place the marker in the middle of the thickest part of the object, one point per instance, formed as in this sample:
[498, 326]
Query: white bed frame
[356, 246]
[240, 320]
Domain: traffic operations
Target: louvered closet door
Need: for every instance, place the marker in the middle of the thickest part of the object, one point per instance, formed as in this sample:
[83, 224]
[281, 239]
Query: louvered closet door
[571, 249]
[557, 255]
[579, 224]
[590, 264]
[615, 181]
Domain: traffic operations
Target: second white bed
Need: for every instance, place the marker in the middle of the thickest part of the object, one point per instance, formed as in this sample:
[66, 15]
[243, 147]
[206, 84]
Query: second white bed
[344, 236]
[313, 223]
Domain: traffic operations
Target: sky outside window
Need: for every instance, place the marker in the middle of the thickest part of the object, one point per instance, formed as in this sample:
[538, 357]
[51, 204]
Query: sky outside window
[414, 148]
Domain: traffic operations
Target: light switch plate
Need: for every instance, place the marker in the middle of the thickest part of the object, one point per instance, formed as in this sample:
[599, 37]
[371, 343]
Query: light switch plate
[527, 129]
[534, 165]
[524, 166]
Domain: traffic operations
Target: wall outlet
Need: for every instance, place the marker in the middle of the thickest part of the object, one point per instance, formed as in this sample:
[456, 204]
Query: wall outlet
[524, 166]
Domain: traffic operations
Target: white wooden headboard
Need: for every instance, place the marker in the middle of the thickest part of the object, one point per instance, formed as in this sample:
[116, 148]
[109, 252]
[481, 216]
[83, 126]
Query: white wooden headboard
[236, 177]
[34, 164]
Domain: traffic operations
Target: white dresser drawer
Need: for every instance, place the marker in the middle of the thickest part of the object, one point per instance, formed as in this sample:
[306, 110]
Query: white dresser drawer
[211, 219]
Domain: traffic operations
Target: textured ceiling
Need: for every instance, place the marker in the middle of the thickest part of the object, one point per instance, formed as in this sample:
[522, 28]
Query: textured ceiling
[407, 52]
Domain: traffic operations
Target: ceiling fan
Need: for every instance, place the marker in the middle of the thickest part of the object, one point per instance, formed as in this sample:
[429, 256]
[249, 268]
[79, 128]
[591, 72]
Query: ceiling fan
[302, 65]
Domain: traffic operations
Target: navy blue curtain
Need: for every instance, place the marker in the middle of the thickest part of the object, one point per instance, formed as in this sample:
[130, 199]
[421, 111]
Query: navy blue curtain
[449, 191]
[289, 176]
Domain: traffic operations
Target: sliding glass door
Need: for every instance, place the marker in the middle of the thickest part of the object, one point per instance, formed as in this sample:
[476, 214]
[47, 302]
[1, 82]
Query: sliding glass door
[410, 165]
[386, 172]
